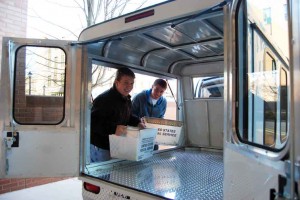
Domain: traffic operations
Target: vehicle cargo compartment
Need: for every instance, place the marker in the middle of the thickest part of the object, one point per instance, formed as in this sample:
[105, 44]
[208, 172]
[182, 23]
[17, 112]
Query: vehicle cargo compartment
[175, 174]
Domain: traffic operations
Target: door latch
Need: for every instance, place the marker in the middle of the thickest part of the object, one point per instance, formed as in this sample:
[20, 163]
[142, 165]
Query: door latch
[12, 139]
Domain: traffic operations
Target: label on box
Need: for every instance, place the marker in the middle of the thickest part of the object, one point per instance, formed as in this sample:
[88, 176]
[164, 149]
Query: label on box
[168, 130]
[133, 148]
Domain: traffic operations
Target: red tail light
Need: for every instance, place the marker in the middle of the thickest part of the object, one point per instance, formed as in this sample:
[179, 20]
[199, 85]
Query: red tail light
[139, 16]
[91, 188]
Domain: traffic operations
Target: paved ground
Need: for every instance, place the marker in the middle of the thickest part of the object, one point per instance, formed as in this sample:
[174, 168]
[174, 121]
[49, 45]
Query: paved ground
[69, 189]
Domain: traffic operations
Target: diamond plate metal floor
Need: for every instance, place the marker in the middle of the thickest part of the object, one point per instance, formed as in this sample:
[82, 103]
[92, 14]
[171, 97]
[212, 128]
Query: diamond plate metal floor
[178, 174]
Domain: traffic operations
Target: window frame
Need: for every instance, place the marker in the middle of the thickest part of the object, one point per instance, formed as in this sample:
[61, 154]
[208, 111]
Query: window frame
[15, 79]
[242, 45]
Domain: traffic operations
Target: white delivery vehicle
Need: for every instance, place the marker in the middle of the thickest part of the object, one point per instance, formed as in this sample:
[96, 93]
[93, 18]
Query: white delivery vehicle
[243, 143]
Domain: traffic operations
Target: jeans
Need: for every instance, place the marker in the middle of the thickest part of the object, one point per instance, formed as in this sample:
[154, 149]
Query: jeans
[98, 154]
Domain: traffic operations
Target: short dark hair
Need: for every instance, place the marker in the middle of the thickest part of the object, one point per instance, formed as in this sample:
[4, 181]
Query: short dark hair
[160, 82]
[124, 71]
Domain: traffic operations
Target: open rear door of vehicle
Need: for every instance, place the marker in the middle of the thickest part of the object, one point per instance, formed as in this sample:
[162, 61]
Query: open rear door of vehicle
[295, 60]
[258, 103]
[40, 98]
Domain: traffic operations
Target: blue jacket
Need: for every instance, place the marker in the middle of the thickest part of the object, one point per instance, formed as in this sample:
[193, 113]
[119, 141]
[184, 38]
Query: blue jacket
[142, 105]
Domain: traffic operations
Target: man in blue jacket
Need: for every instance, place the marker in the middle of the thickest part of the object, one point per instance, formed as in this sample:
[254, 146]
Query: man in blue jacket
[151, 103]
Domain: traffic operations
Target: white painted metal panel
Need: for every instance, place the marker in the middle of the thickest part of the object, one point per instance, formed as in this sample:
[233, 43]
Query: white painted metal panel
[197, 123]
[204, 69]
[204, 121]
[43, 150]
[247, 176]
[162, 13]
[45, 154]
[187, 87]
[216, 122]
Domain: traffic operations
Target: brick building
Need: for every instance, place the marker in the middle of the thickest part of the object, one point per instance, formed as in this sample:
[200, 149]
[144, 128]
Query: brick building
[13, 21]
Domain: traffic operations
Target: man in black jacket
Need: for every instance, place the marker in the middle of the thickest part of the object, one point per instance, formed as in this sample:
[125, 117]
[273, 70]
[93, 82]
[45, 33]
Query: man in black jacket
[111, 113]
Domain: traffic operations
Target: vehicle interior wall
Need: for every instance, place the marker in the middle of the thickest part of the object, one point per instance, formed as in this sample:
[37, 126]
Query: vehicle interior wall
[165, 49]
[127, 173]
[203, 116]
[172, 49]
[102, 74]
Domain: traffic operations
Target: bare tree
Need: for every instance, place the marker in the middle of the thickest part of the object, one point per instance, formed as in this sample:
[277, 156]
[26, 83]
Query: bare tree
[94, 11]
[107, 9]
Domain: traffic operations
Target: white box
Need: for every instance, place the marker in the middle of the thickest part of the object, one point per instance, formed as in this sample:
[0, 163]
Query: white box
[132, 131]
[133, 148]
[169, 131]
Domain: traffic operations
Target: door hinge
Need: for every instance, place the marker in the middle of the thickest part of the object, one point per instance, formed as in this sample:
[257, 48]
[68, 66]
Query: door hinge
[285, 182]
[288, 170]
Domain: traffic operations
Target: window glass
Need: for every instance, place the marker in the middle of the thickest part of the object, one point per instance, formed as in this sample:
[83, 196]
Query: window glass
[262, 77]
[270, 100]
[103, 79]
[283, 106]
[39, 85]
[208, 87]
[144, 82]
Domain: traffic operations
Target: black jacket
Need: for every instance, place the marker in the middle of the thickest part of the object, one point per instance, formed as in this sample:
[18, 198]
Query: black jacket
[109, 110]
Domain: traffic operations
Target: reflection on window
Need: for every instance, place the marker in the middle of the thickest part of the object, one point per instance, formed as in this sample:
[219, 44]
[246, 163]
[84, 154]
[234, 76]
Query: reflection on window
[39, 85]
[267, 15]
[208, 87]
[103, 78]
[283, 106]
[270, 105]
[285, 12]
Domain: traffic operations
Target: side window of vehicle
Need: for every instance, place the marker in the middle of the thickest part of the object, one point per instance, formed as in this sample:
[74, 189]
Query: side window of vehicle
[39, 85]
[103, 78]
[262, 92]
[208, 87]
[283, 106]
[170, 94]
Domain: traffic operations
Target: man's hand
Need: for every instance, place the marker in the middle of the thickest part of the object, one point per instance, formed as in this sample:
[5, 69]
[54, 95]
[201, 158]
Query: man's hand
[120, 130]
[142, 124]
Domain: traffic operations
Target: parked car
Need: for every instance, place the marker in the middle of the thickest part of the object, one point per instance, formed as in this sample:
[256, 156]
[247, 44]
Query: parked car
[209, 87]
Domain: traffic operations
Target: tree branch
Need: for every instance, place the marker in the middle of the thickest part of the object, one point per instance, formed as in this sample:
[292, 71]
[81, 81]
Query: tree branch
[49, 22]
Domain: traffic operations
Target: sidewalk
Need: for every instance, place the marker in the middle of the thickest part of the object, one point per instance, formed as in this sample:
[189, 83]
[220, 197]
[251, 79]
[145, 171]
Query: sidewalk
[69, 189]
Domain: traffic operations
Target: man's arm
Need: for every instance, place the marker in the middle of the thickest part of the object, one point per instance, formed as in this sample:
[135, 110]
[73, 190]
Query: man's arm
[135, 109]
[164, 108]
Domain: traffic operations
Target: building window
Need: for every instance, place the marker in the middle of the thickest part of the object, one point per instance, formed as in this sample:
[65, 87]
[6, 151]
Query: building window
[285, 11]
[267, 16]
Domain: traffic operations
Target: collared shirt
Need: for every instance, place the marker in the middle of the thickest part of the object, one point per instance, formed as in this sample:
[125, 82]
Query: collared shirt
[142, 105]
